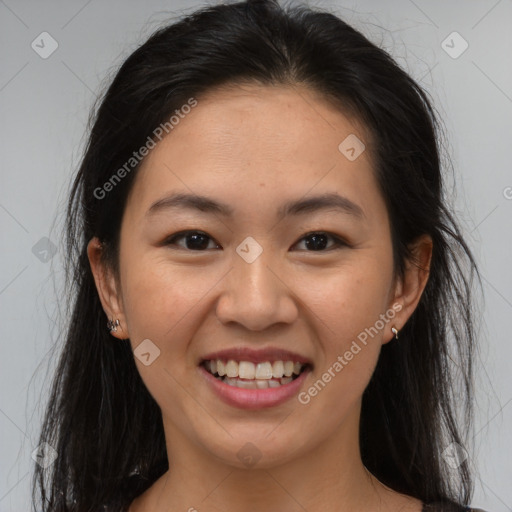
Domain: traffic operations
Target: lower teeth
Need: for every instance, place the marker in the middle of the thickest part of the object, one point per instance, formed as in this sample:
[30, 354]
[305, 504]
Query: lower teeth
[256, 383]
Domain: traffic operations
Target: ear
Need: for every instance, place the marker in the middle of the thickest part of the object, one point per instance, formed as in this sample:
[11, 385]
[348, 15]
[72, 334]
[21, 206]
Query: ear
[107, 287]
[409, 288]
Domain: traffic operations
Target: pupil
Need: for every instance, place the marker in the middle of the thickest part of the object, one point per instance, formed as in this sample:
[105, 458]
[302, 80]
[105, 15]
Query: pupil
[319, 242]
[197, 241]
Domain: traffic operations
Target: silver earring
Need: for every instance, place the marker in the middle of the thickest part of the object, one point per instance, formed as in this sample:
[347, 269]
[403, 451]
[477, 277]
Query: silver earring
[112, 325]
[394, 330]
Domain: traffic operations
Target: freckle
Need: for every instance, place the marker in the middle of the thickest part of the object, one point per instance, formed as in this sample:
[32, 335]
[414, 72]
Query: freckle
[262, 184]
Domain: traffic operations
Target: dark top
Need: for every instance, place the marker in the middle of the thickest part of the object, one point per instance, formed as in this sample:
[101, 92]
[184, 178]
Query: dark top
[435, 507]
[448, 507]
[430, 507]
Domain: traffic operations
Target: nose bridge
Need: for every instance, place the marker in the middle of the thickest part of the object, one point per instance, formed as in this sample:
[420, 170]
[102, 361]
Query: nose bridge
[254, 296]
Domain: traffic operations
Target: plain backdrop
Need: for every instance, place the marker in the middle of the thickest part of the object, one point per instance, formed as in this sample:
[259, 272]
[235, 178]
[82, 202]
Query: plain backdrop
[44, 106]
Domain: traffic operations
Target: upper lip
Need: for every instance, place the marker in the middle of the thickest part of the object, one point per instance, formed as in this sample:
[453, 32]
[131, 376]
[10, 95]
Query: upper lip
[256, 355]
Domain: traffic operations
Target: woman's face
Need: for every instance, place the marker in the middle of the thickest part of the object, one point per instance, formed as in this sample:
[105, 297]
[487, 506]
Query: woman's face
[288, 258]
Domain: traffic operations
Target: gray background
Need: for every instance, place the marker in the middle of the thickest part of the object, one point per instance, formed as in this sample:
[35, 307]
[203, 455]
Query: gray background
[44, 105]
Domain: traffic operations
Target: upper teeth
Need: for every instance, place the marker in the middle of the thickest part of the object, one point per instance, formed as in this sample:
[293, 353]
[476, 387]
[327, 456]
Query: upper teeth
[249, 370]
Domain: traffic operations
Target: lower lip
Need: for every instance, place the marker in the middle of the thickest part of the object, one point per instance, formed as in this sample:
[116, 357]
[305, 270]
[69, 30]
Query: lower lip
[254, 398]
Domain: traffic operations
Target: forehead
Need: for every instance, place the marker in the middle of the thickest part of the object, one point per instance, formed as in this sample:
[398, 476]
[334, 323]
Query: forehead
[241, 139]
[253, 123]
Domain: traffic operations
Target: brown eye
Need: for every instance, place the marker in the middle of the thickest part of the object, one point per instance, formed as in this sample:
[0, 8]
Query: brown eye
[319, 242]
[193, 241]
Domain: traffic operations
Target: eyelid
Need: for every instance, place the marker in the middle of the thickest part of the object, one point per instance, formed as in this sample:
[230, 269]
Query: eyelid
[171, 239]
[339, 242]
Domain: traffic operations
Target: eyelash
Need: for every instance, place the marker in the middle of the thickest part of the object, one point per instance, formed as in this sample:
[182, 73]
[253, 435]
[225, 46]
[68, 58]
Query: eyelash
[338, 242]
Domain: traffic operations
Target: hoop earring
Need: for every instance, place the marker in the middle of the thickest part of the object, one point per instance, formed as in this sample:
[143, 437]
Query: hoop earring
[394, 330]
[112, 325]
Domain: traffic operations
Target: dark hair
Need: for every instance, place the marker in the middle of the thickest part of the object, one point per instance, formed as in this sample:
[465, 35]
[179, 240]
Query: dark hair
[105, 426]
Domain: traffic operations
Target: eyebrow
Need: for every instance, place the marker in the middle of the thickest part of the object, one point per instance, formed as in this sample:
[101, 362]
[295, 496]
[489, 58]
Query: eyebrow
[328, 201]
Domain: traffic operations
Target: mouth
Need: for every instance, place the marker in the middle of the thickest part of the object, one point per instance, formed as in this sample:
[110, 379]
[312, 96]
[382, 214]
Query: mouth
[247, 378]
[250, 375]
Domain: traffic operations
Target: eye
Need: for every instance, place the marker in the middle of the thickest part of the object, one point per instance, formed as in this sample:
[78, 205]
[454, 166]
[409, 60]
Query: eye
[319, 241]
[193, 241]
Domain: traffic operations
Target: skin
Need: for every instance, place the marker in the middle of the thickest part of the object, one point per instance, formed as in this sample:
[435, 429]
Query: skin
[255, 148]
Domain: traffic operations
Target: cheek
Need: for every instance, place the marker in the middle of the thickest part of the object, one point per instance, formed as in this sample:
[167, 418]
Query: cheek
[164, 303]
[348, 300]
[159, 296]
[349, 358]
[348, 307]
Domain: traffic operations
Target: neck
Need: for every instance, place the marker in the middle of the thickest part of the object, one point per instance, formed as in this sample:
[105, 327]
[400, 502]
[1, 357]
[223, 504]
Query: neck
[330, 477]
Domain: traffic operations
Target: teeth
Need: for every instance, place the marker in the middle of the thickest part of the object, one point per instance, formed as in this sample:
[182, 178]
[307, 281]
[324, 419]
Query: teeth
[255, 376]
[256, 383]
[288, 368]
[246, 370]
[278, 369]
[264, 370]
[232, 369]
[246, 384]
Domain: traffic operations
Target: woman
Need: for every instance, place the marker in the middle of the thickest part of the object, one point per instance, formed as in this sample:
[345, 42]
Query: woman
[269, 289]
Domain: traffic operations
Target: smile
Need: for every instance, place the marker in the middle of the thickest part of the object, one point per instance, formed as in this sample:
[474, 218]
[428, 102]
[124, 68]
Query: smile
[249, 375]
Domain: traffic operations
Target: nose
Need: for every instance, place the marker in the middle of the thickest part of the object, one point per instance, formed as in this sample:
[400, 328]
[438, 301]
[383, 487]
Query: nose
[256, 296]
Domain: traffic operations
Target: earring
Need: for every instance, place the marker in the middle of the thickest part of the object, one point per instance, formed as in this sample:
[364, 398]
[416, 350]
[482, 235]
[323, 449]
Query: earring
[394, 330]
[112, 325]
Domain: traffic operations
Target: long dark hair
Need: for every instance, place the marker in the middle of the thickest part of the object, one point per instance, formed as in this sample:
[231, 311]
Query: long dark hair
[104, 425]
